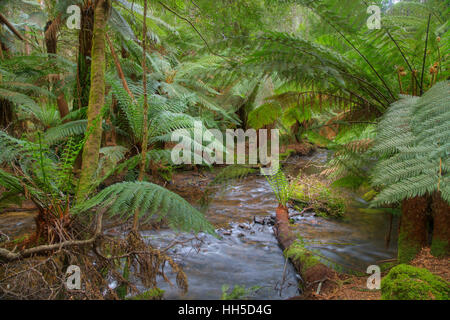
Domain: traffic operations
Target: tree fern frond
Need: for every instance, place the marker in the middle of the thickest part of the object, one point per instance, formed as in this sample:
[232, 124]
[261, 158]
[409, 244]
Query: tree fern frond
[152, 201]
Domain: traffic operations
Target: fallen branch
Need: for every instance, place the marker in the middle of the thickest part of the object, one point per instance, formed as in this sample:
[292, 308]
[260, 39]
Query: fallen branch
[11, 27]
[9, 256]
[18, 210]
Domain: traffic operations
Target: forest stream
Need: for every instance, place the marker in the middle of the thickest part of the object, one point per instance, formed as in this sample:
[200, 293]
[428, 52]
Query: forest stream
[247, 253]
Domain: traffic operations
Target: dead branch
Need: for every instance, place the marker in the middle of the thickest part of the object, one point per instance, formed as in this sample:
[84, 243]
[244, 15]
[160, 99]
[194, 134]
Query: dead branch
[11, 27]
[9, 256]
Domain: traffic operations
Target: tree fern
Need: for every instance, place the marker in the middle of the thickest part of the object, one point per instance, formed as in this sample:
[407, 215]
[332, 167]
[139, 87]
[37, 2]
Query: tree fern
[152, 201]
[414, 145]
[280, 186]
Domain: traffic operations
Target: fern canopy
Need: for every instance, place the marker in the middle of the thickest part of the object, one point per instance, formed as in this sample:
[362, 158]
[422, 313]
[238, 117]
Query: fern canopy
[413, 143]
[152, 201]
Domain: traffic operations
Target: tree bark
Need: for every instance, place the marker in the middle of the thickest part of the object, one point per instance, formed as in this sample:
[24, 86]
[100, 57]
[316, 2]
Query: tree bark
[413, 228]
[96, 101]
[84, 55]
[145, 120]
[440, 245]
[51, 43]
[119, 69]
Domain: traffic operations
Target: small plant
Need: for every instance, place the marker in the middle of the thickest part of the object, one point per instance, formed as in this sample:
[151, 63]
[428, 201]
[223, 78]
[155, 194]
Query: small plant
[238, 292]
[281, 187]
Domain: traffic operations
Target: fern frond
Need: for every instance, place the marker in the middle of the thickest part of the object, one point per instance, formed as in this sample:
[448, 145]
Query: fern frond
[152, 201]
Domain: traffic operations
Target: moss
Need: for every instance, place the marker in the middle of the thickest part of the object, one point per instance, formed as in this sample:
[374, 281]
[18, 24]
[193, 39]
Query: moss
[152, 294]
[413, 228]
[385, 266]
[405, 282]
[407, 250]
[439, 248]
[298, 252]
[311, 192]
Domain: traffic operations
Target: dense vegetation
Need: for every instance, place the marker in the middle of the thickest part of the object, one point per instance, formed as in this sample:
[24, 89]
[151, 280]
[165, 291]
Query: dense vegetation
[87, 112]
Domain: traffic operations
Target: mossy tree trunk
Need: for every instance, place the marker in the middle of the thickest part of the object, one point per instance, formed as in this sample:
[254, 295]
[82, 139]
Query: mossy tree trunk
[413, 228]
[84, 55]
[145, 107]
[440, 245]
[96, 100]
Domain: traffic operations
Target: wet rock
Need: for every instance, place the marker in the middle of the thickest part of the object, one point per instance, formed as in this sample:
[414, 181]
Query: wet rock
[244, 226]
[265, 221]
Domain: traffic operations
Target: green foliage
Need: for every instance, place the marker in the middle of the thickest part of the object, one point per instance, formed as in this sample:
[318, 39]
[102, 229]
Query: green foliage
[350, 162]
[280, 186]
[297, 251]
[413, 144]
[310, 191]
[238, 292]
[405, 282]
[233, 172]
[152, 294]
[152, 201]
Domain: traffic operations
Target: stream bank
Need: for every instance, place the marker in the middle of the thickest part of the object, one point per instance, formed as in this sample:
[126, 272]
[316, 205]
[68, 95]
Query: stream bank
[247, 254]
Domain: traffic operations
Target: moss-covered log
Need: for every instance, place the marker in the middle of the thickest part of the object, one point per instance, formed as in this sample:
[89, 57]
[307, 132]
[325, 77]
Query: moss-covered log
[313, 272]
[413, 228]
[96, 100]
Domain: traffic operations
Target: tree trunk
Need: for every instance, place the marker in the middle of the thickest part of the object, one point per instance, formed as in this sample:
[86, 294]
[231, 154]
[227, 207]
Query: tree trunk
[413, 228]
[84, 55]
[441, 226]
[51, 42]
[96, 101]
[145, 116]
[6, 115]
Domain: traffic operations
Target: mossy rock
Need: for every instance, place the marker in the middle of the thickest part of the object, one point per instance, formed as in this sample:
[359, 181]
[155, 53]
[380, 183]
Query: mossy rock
[405, 282]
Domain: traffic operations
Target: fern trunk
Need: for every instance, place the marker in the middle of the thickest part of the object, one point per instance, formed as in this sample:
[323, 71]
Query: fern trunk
[96, 101]
[51, 43]
[413, 228]
[84, 55]
[6, 115]
[441, 226]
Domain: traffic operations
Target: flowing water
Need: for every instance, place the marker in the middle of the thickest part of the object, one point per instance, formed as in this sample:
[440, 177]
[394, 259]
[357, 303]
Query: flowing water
[247, 253]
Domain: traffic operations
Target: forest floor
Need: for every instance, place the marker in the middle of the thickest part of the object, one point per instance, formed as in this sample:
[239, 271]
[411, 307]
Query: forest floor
[355, 288]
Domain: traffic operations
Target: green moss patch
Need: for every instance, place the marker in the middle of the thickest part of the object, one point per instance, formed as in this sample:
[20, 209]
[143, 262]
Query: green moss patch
[311, 192]
[439, 248]
[298, 252]
[152, 294]
[405, 282]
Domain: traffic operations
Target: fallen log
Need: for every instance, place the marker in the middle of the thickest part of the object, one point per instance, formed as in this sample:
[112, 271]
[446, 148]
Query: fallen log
[317, 278]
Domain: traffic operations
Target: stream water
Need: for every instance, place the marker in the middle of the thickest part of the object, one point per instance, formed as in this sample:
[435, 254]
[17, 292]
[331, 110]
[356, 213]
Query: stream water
[247, 253]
